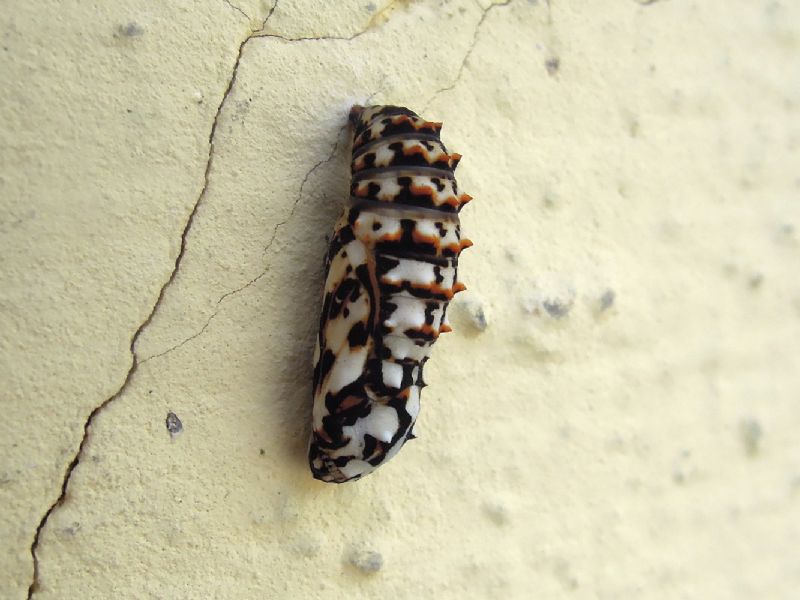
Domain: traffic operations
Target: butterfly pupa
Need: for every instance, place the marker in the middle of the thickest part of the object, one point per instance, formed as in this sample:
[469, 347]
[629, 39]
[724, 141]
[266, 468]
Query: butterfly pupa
[391, 273]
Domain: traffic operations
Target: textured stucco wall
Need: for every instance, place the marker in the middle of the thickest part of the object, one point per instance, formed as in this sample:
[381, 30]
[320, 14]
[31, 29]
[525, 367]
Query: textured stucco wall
[624, 426]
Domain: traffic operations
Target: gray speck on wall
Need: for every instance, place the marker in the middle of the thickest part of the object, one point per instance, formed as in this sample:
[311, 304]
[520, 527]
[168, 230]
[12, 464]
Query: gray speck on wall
[750, 433]
[552, 294]
[174, 425]
[130, 30]
[552, 65]
[564, 574]
[479, 318]
[497, 512]
[72, 529]
[556, 308]
[786, 234]
[366, 561]
[607, 300]
[755, 280]
[473, 311]
[683, 469]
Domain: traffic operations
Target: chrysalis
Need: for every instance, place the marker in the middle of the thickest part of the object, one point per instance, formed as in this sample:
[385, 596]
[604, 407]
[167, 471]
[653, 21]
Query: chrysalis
[391, 272]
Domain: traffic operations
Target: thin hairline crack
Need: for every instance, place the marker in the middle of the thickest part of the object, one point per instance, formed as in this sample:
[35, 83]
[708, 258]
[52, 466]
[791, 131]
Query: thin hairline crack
[467, 55]
[279, 225]
[237, 9]
[268, 245]
[135, 362]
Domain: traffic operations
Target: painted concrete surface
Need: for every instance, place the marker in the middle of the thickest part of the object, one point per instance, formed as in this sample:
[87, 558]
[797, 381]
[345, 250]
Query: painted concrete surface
[616, 414]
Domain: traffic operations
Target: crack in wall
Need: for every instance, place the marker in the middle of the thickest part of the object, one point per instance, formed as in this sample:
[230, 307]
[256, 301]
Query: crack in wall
[237, 9]
[274, 234]
[279, 225]
[464, 61]
[267, 247]
[263, 34]
[313, 39]
[377, 20]
[135, 362]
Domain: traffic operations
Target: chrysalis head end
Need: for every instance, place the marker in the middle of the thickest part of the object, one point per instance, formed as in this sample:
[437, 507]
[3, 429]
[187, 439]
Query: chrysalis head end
[355, 114]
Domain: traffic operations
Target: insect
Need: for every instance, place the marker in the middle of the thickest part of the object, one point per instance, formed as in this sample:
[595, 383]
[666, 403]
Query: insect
[391, 272]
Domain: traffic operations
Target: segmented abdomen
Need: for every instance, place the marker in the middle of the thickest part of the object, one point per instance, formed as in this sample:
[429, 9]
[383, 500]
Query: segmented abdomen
[391, 272]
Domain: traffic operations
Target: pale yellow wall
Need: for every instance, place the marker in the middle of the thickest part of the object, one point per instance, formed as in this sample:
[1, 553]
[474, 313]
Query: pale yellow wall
[170, 171]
